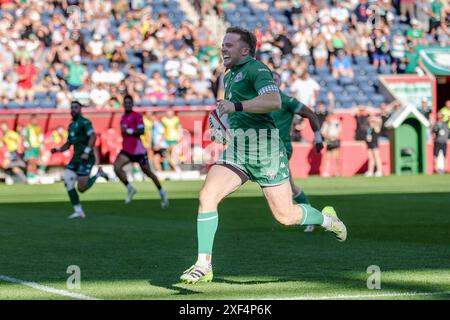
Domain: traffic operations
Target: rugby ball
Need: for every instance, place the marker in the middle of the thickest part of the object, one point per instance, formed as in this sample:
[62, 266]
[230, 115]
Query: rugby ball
[220, 129]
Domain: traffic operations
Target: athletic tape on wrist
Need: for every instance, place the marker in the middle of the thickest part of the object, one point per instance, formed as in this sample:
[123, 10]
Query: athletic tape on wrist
[238, 106]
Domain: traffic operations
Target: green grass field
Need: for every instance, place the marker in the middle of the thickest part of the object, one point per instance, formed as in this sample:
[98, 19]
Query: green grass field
[401, 224]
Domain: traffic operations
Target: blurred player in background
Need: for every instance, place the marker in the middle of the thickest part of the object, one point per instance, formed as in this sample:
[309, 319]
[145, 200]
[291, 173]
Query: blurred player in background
[82, 137]
[146, 137]
[441, 133]
[372, 135]
[172, 127]
[159, 144]
[13, 163]
[52, 139]
[133, 150]
[331, 131]
[283, 120]
[33, 140]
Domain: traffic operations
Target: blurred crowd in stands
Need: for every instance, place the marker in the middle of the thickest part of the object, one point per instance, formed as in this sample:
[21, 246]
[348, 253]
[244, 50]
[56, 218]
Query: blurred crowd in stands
[96, 50]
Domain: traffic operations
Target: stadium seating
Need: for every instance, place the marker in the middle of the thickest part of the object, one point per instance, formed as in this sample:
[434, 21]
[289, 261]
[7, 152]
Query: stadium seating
[31, 104]
[12, 105]
[179, 102]
[209, 101]
[145, 103]
[344, 102]
[361, 100]
[163, 103]
[377, 99]
[352, 90]
[385, 69]
[47, 104]
[195, 102]
[250, 14]
[367, 89]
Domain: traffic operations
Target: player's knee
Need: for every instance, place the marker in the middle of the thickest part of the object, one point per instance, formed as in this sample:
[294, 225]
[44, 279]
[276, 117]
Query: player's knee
[82, 188]
[207, 199]
[148, 172]
[117, 168]
[203, 196]
[70, 178]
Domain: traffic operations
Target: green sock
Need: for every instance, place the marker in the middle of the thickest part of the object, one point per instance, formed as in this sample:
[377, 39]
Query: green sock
[42, 168]
[91, 181]
[301, 198]
[206, 229]
[311, 216]
[73, 195]
[165, 165]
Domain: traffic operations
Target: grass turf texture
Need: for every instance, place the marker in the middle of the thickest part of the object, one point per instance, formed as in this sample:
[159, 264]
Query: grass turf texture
[138, 251]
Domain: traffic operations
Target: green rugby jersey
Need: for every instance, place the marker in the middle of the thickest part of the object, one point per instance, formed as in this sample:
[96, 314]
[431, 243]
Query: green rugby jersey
[284, 116]
[247, 80]
[79, 132]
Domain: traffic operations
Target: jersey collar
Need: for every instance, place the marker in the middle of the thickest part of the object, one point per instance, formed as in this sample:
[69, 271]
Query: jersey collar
[242, 62]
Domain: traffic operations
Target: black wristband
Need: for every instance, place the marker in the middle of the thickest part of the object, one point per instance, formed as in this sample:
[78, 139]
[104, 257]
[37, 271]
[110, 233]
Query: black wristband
[238, 106]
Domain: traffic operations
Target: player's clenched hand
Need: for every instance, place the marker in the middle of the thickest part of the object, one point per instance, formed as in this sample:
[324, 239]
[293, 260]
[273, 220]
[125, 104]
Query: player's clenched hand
[318, 141]
[84, 156]
[319, 146]
[224, 106]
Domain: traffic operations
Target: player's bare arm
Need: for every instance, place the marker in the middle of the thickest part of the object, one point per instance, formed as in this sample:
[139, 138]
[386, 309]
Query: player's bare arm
[64, 147]
[265, 103]
[90, 145]
[315, 126]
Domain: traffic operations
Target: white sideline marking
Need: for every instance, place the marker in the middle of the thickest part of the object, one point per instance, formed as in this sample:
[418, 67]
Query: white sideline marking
[40, 287]
[361, 296]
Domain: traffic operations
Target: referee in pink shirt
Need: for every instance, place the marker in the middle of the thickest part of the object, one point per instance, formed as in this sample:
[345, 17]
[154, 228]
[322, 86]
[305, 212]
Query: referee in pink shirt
[132, 127]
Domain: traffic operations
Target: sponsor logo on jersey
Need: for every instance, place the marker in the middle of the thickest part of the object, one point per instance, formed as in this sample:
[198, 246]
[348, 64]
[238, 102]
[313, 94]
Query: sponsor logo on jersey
[271, 175]
[239, 77]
